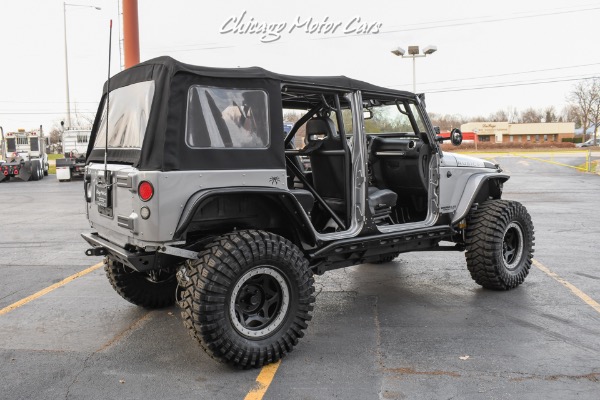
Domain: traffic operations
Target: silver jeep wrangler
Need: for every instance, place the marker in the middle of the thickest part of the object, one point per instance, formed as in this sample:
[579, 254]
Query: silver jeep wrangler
[199, 198]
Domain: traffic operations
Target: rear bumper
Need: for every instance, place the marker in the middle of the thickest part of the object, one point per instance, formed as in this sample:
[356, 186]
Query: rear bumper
[140, 261]
[15, 170]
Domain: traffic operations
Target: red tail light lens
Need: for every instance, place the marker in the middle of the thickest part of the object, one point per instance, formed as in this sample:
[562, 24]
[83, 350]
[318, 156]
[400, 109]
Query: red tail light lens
[145, 190]
[16, 172]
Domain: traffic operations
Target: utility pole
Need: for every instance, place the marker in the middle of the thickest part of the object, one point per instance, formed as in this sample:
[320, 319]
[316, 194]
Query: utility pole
[131, 35]
[65, 4]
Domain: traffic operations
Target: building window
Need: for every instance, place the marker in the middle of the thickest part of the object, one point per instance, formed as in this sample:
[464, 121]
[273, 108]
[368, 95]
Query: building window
[511, 138]
[484, 138]
[537, 138]
[82, 138]
[529, 138]
[545, 138]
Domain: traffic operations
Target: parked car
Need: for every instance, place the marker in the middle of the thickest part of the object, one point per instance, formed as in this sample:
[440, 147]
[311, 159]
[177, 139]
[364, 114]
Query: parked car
[191, 200]
[589, 143]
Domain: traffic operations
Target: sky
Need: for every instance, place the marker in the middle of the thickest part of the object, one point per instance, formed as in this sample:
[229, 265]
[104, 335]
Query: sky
[490, 55]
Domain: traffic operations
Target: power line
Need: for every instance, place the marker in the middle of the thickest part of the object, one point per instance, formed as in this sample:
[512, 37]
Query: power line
[500, 75]
[455, 23]
[509, 85]
[492, 20]
[406, 28]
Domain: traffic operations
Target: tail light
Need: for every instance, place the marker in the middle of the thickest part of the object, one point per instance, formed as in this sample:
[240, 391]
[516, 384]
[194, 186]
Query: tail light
[16, 172]
[145, 190]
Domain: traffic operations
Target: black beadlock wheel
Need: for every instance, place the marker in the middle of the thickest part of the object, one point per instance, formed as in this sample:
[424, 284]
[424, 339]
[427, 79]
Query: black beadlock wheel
[154, 289]
[247, 298]
[499, 244]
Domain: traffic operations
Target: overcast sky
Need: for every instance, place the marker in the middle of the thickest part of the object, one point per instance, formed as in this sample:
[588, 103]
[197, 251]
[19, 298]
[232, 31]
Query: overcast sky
[508, 45]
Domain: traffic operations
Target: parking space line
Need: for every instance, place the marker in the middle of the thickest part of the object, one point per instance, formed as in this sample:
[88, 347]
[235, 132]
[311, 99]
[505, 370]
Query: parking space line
[576, 291]
[47, 290]
[547, 161]
[264, 379]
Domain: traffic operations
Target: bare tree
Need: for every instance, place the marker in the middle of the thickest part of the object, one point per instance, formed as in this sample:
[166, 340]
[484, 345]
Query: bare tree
[595, 109]
[513, 115]
[54, 136]
[447, 122]
[569, 114]
[531, 115]
[291, 116]
[583, 96]
[550, 114]
[498, 116]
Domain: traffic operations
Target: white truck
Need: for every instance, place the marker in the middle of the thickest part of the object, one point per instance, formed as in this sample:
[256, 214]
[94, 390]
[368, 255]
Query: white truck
[24, 155]
[75, 143]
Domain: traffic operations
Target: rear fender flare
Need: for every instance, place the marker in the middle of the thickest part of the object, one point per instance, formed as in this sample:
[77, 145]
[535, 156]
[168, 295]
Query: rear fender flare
[288, 204]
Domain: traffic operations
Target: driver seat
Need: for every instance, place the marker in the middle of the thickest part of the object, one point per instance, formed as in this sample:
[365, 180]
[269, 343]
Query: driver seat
[328, 161]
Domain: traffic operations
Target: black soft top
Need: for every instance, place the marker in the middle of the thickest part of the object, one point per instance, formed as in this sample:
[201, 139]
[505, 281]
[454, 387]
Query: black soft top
[164, 148]
[170, 66]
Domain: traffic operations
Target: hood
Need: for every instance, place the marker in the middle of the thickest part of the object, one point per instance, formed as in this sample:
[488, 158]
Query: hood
[460, 160]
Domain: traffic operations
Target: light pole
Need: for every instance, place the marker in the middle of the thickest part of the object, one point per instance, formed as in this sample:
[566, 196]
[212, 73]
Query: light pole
[66, 57]
[413, 52]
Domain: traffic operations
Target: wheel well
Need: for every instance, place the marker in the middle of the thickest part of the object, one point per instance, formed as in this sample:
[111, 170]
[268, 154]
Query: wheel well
[490, 189]
[225, 212]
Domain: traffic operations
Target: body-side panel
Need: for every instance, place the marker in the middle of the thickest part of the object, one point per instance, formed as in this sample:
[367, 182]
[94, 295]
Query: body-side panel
[171, 192]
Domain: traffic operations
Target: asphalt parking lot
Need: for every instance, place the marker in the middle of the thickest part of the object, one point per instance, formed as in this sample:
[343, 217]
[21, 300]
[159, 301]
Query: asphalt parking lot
[415, 328]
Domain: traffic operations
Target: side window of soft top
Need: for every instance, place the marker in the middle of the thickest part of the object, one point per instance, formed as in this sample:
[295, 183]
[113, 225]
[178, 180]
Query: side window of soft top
[227, 118]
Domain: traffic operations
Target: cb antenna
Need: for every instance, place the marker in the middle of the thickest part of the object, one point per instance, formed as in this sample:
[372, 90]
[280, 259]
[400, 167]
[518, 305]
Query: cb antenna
[107, 105]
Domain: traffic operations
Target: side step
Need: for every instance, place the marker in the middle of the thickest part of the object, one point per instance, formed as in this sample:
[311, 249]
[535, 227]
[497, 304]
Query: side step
[344, 253]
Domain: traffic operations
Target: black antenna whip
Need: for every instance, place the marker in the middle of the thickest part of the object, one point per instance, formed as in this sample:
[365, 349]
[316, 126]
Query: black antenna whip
[107, 105]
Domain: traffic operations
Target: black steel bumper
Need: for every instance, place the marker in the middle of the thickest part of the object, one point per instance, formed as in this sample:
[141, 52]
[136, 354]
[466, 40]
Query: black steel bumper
[140, 261]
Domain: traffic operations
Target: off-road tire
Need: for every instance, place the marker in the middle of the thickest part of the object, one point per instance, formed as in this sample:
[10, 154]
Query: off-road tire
[386, 258]
[226, 267]
[149, 290]
[499, 244]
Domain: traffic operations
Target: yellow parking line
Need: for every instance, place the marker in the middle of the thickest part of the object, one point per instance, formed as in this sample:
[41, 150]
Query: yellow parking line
[548, 161]
[264, 379]
[42, 292]
[587, 299]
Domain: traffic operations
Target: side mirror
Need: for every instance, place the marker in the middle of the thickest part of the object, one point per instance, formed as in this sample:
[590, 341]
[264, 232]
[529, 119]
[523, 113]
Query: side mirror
[367, 114]
[456, 136]
[436, 130]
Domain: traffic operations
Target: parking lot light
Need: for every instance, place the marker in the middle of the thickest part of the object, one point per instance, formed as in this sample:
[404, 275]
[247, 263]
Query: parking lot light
[413, 52]
[67, 58]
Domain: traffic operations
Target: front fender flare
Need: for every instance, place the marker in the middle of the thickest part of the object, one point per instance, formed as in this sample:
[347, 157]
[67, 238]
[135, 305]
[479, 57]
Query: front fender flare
[472, 189]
